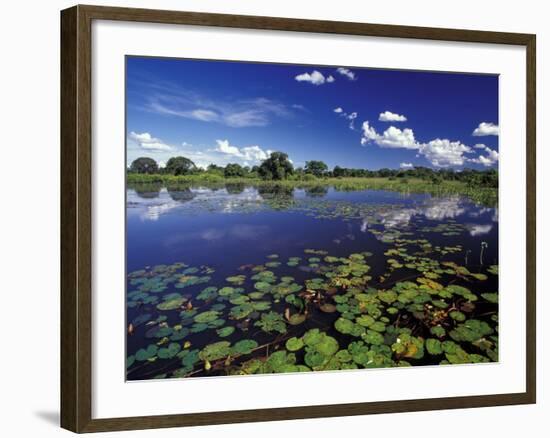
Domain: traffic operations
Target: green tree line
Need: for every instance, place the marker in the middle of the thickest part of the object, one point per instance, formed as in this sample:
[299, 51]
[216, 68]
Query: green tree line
[278, 167]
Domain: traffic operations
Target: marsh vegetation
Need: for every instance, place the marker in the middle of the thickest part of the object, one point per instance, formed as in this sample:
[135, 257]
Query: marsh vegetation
[245, 275]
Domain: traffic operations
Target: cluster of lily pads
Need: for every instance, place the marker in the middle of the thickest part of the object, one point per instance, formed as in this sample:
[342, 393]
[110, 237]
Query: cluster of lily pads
[312, 312]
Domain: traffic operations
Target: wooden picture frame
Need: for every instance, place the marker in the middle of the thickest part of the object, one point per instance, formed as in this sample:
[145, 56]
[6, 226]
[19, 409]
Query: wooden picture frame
[76, 217]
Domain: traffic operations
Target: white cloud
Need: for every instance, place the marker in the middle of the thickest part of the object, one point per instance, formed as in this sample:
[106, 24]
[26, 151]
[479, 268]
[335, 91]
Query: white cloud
[254, 154]
[388, 116]
[225, 148]
[351, 117]
[439, 152]
[479, 146]
[330, 78]
[148, 142]
[406, 166]
[486, 128]
[315, 78]
[346, 72]
[487, 160]
[396, 138]
[369, 133]
[238, 113]
[444, 153]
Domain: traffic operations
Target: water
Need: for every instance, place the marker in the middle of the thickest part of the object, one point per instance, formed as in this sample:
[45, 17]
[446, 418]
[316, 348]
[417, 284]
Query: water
[232, 230]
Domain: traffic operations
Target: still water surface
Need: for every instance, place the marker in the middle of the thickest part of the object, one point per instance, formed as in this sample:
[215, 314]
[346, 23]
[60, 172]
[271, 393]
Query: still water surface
[231, 231]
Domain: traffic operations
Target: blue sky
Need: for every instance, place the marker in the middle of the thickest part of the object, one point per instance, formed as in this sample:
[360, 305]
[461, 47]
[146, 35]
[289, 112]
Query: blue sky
[237, 112]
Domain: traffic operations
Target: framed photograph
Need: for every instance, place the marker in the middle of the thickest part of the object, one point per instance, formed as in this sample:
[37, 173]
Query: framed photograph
[268, 219]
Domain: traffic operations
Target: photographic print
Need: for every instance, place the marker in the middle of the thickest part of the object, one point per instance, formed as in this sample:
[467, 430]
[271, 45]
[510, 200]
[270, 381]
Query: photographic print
[296, 218]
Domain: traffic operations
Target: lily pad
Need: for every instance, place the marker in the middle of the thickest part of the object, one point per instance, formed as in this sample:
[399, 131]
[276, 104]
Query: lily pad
[344, 326]
[225, 331]
[294, 344]
[146, 353]
[271, 322]
[434, 346]
[296, 319]
[206, 317]
[215, 351]
[491, 297]
[171, 303]
[244, 346]
[169, 352]
[327, 308]
[208, 293]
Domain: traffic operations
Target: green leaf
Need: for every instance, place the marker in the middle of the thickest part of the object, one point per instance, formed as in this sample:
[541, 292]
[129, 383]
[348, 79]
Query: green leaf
[215, 351]
[296, 319]
[244, 346]
[457, 316]
[491, 297]
[130, 361]
[271, 322]
[169, 352]
[206, 317]
[225, 331]
[438, 331]
[146, 353]
[434, 346]
[471, 331]
[171, 303]
[208, 293]
[344, 326]
[294, 344]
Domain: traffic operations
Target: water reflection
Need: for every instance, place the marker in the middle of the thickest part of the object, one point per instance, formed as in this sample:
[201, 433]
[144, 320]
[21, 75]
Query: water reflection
[391, 210]
[436, 209]
[317, 191]
[479, 229]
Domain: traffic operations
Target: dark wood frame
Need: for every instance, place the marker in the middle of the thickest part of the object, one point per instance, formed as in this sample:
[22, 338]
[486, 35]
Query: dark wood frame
[76, 218]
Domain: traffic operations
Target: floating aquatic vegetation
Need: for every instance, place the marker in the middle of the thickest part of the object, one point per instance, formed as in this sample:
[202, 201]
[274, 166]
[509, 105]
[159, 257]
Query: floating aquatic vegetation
[224, 332]
[271, 322]
[414, 298]
[244, 346]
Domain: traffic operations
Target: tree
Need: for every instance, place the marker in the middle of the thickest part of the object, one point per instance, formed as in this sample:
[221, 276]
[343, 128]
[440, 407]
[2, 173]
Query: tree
[144, 165]
[276, 167]
[317, 168]
[339, 171]
[180, 166]
[233, 170]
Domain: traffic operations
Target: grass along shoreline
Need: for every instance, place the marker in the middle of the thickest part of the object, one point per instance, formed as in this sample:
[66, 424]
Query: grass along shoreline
[482, 195]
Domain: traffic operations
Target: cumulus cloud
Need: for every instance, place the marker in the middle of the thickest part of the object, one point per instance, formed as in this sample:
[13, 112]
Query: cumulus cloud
[347, 73]
[338, 110]
[486, 128]
[406, 166]
[444, 153]
[146, 141]
[396, 138]
[439, 152]
[315, 78]
[369, 133]
[248, 154]
[388, 116]
[487, 160]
